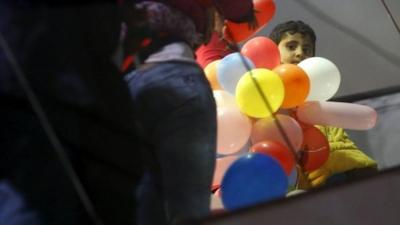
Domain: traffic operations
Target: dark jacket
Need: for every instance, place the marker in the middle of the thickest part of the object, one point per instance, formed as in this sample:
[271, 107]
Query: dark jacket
[65, 51]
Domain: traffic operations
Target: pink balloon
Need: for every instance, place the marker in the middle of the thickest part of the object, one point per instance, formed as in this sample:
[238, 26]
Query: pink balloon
[218, 192]
[224, 98]
[338, 114]
[221, 165]
[267, 130]
[233, 130]
[216, 204]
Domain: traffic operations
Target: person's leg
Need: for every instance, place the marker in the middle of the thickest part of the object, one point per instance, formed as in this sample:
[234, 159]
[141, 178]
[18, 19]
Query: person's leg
[151, 201]
[177, 115]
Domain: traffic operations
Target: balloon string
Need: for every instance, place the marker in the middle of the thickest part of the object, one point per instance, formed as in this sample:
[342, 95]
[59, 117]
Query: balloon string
[49, 130]
[317, 150]
[391, 16]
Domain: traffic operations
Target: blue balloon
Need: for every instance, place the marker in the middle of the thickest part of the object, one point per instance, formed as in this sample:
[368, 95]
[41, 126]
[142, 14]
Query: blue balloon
[230, 69]
[252, 179]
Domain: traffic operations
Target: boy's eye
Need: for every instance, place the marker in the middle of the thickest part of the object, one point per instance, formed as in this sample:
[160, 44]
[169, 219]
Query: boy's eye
[291, 46]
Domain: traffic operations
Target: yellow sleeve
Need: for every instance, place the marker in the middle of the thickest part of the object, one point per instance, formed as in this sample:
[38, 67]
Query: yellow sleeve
[344, 154]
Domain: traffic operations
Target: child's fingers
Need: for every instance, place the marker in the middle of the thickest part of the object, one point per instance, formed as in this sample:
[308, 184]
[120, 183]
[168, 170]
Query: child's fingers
[317, 173]
[319, 181]
[318, 177]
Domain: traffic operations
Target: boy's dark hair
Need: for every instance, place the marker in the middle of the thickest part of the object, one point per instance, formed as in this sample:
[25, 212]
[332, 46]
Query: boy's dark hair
[292, 27]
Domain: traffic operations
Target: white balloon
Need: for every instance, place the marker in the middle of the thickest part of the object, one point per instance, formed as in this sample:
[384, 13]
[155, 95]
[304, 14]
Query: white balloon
[324, 78]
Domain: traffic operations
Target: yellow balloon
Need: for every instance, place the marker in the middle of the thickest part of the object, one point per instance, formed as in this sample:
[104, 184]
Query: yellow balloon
[249, 99]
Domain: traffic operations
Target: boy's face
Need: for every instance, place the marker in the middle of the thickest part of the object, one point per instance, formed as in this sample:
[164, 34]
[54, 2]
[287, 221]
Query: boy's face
[295, 48]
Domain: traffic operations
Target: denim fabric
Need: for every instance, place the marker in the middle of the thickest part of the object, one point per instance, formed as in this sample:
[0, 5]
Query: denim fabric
[176, 117]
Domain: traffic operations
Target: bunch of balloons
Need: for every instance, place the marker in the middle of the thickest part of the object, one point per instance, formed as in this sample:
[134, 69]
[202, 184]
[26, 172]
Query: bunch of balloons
[266, 112]
[266, 117]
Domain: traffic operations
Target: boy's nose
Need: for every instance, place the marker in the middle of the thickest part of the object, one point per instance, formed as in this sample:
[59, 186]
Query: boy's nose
[299, 53]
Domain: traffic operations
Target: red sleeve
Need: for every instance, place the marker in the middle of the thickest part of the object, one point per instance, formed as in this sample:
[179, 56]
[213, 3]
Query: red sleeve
[215, 49]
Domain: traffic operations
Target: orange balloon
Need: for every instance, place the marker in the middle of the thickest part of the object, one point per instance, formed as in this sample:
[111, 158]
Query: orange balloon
[296, 82]
[262, 51]
[265, 10]
[315, 149]
[211, 73]
[277, 151]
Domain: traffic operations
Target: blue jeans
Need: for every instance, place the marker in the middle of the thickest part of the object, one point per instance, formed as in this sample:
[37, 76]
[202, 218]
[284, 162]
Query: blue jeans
[176, 118]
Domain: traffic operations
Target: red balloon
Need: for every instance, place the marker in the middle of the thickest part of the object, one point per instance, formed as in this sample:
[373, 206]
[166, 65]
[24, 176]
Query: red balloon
[315, 149]
[265, 10]
[263, 52]
[277, 151]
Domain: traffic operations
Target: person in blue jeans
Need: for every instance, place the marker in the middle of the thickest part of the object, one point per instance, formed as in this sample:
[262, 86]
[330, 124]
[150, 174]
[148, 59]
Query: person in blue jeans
[65, 50]
[175, 115]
